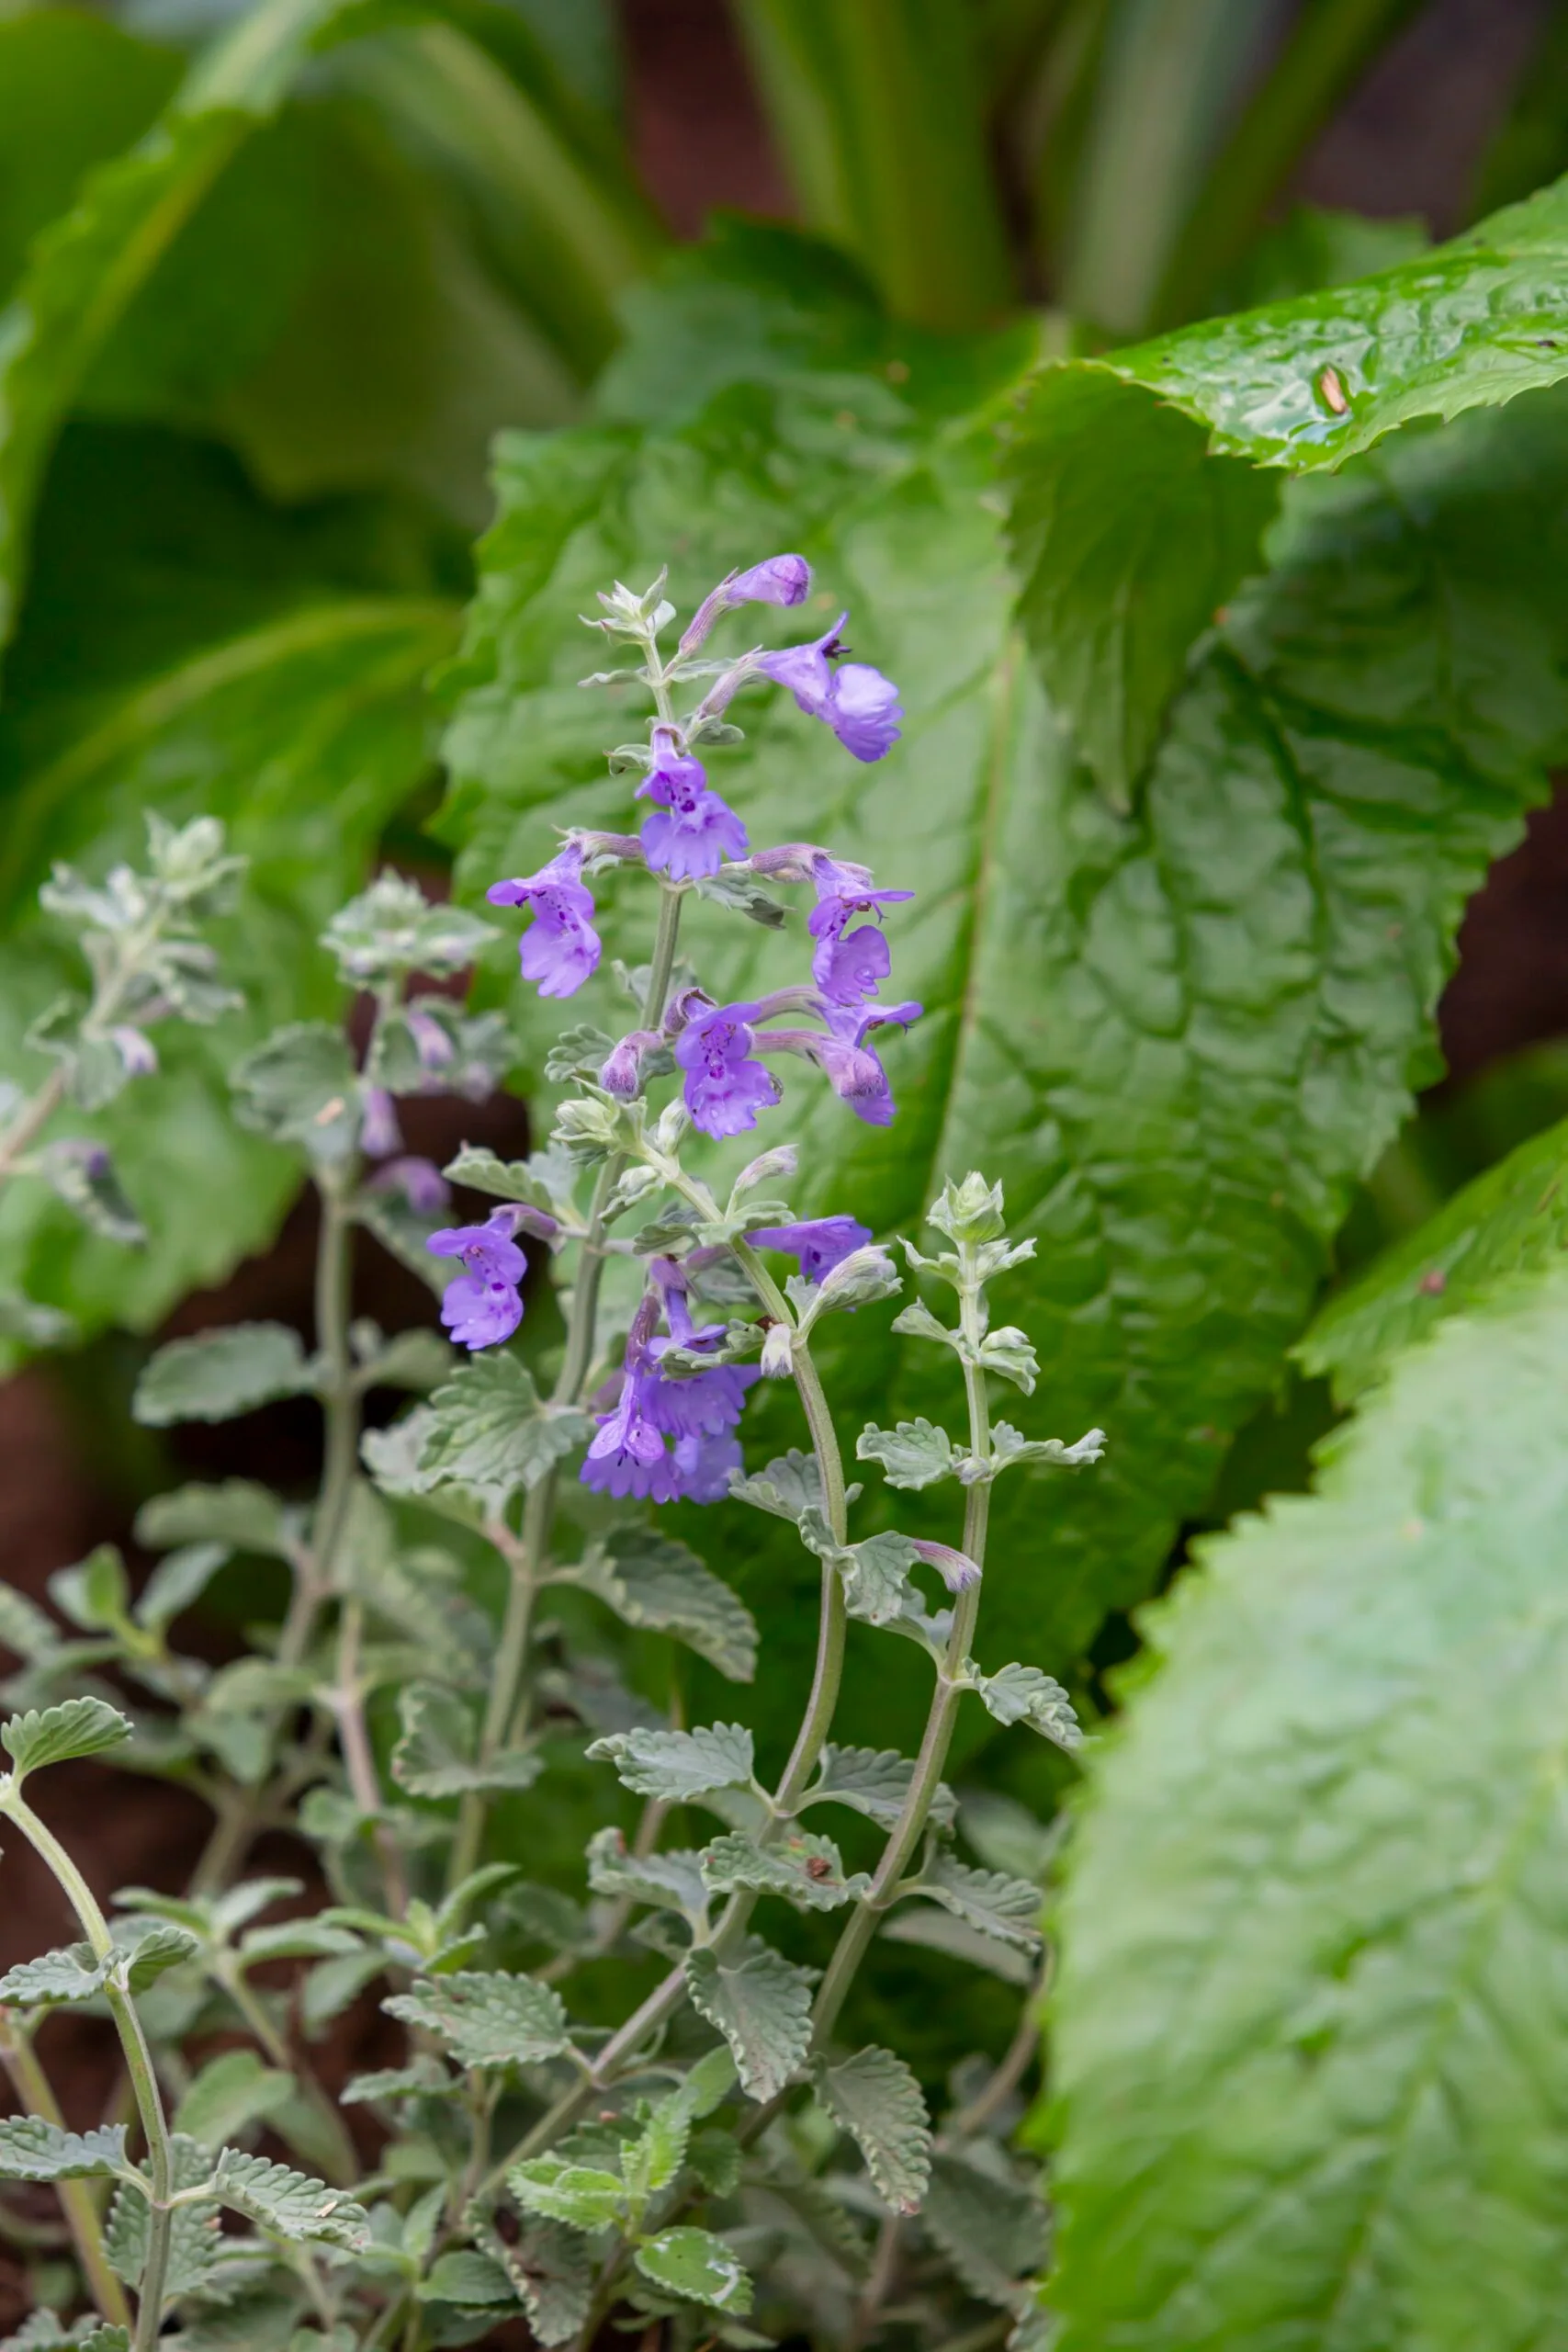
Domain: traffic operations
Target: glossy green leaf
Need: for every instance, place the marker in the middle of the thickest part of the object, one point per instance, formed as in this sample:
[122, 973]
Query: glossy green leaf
[1306, 2042]
[1511, 1221]
[86, 268]
[698, 2266]
[1128, 537]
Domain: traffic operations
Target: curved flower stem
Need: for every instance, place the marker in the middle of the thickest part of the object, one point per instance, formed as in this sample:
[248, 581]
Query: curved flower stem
[909, 1827]
[138, 2061]
[32, 2086]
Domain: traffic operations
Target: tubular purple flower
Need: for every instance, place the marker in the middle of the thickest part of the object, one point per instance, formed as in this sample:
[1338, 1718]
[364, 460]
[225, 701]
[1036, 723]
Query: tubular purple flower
[857, 702]
[849, 966]
[724, 1087]
[956, 1569]
[420, 1182]
[805, 862]
[563, 948]
[779, 580]
[692, 830]
[379, 1132]
[432, 1042]
[481, 1306]
[666, 1439]
[854, 1072]
[702, 1403]
[620, 1073]
[819, 1244]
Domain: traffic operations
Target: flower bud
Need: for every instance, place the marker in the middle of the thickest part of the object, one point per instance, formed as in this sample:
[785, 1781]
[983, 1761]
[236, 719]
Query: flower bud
[778, 1352]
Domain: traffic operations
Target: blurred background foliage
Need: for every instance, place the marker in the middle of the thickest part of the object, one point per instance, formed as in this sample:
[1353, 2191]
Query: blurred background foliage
[275, 277]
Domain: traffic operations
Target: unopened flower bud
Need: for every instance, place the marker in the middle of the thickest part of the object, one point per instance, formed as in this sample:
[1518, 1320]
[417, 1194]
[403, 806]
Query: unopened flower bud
[778, 1355]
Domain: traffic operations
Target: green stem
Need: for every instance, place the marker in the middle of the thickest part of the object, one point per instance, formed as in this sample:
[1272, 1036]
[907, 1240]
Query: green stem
[908, 1831]
[36, 2092]
[343, 2168]
[525, 1556]
[138, 2063]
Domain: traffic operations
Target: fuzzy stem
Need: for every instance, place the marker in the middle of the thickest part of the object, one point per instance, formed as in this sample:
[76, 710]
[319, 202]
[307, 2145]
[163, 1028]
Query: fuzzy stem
[525, 1556]
[33, 2087]
[343, 2168]
[908, 1831]
[138, 2061]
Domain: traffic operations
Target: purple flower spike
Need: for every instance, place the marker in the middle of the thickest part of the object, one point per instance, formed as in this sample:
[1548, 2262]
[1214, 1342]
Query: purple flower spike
[724, 1087]
[667, 1439]
[780, 580]
[857, 702]
[481, 1306]
[692, 830]
[563, 948]
[819, 1244]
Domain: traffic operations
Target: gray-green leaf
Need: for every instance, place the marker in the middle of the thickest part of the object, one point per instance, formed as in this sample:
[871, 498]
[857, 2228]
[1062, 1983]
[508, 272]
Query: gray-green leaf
[487, 2019]
[651, 1580]
[1023, 1695]
[488, 1429]
[763, 2006]
[876, 2100]
[76, 1727]
[289, 2203]
[677, 1765]
[697, 2265]
[916, 1454]
[218, 1374]
[31, 2149]
[436, 1755]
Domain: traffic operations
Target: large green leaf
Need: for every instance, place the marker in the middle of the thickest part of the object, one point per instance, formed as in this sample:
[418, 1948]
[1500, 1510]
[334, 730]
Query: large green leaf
[1308, 2051]
[1511, 1220]
[1133, 520]
[87, 267]
[1180, 1034]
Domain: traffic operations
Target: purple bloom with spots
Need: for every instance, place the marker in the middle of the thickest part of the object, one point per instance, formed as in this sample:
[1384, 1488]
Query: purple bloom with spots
[666, 1439]
[561, 948]
[725, 1086]
[481, 1306]
[857, 702]
[692, 830]
[819, 1244]
[854, 1072]
[849, 966]
[779, 580]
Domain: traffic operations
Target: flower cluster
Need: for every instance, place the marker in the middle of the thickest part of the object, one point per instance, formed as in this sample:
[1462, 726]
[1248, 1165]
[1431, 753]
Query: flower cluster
[667, 1428]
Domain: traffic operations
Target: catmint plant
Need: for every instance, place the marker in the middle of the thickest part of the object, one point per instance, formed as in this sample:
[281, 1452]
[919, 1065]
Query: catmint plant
[717, 2161]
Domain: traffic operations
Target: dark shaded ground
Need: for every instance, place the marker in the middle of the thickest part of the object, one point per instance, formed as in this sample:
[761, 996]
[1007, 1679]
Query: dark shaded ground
[1410, 140]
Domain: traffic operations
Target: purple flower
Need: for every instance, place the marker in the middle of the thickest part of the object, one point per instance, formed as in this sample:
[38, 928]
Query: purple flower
[857, 702]
[420, 1182]
[849, 966]
[854, 1072]
[818, 1244]
[692, 830]
[431, 1041]
[667, 1439]
[956, 1569]
[379, 1132]
[779, 580]
[563, 948]
[620, 1073]
[724, 1087]
[481, 1306]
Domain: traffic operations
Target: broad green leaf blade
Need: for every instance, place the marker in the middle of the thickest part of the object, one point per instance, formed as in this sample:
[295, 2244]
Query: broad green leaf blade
[1511, 1221]
[676, 1764]
[672, 1880]
[697, 2265]
[231, 2092]
[1308, 383]
[991, 2227]
[876, 2100]
[31, 2149]
[763, 2006]
[73, 1973]
[436, 1755]
[289, 2203]
[1295, 1989]
[76, 1727]
[552, 2270]
[1128, 537]
[874, 1782]
[219, 1375]
[464, 2278]
[87, 267]
[487, 2020]
[915, 1454]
